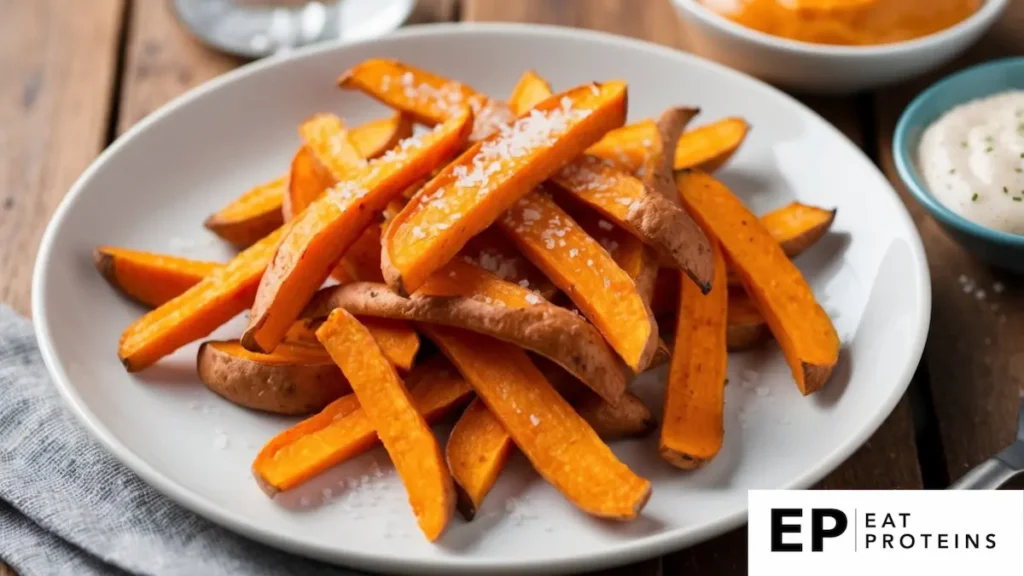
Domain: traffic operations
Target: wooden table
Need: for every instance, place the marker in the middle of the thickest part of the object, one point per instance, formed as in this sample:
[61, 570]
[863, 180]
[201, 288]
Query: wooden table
[75, 78]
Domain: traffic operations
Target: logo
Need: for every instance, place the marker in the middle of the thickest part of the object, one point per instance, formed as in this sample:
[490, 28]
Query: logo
[854, 532]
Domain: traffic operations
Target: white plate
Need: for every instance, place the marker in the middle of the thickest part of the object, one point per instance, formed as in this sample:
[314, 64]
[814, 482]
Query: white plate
[153, 188]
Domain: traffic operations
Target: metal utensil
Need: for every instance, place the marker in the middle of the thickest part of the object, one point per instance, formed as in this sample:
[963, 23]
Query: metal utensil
[999, 469]
[254, 31]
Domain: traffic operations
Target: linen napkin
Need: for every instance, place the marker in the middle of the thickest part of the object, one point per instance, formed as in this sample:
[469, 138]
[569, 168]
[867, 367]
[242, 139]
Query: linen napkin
[68, 507]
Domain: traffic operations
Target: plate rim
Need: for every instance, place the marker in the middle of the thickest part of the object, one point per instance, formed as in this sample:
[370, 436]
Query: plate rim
[615, 555]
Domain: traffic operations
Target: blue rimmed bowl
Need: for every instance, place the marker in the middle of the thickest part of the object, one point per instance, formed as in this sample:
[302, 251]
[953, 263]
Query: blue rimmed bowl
[1001, 249]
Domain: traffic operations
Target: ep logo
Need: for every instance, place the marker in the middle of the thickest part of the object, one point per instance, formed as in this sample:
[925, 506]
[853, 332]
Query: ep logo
[823, 523]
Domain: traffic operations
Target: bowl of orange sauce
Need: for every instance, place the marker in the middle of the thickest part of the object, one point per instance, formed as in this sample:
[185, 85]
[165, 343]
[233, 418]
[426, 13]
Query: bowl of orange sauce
[835, 46]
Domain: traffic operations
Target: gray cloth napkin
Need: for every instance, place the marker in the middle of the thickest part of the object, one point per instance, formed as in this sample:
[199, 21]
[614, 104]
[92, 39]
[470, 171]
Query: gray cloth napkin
[68, 507]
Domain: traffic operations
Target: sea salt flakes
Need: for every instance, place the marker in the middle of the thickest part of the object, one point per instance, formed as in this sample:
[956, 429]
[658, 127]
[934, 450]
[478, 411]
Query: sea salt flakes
[532, 298]
[980, 294]
[604, 224]
[573, 252]
[624, 201]
[607, 283]
[595, 90]
[534, 420]
[524, 283]
[590, 262]
[418, 233]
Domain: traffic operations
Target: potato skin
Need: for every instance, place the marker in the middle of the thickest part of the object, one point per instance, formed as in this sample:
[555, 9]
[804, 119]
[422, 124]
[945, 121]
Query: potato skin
[289, 389]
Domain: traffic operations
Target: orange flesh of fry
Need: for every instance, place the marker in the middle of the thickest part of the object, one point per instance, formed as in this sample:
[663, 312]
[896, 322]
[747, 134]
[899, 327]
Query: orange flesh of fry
[562, 447]
[154, 279]
[626, 147]
[799, 324]
[459, 278]
[397, 340]
[493, 252]
[529, 91]
[327, 139]
[705, 148]
[362, 259]
[286, 353]
[708, 147]
[797, 226]
[477, 450]
[252, 216]
[200, 310]
[342, 430]
[150, 278]
[320, 234]
[428, 98]
[392, 413]
[627, 250]
[378, 136]
[578, 265]
[308, 178]
[692, 427]
[472, 192]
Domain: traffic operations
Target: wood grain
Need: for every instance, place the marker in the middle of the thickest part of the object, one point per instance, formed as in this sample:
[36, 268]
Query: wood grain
[58, 68]
[974, 359]
[889, 459]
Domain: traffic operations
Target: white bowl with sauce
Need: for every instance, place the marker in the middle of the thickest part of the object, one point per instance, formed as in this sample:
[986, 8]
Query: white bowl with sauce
[823, 68]
[959, 149]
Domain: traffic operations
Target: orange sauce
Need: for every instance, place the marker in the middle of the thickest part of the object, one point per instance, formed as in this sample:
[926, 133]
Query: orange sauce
[847, 22]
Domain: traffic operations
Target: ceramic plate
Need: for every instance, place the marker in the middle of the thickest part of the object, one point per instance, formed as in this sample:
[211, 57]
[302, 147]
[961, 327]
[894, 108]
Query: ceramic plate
[153, 188]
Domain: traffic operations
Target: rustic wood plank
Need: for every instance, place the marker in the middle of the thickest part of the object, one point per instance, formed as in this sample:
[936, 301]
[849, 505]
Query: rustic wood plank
[58, 67]
[975, 365]
[889, 459]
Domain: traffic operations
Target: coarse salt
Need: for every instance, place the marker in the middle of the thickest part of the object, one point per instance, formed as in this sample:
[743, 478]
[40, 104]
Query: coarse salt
[604, 225]
[534, 420]
[532, 298]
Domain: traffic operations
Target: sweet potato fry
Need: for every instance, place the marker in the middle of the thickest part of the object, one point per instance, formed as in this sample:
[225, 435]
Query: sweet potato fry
[252, 216]
[477, 450]
[562, 447]
[294, 379]
[472, 192]
[321, 233]
[478, 445]
[258, 212]
[551, 331]
[397, 340]
[799, 324]
[307, 180]
[644, 208]
[529, 91]
[705, 148]
[797, 227]
[635, 259]
[426, 97]
[626, 147]
[362, 259]
[392, 413]
[630, 418]
[199, 310]
[376, 137]
[652, 218]
[149, 278]
[575, 262]
[493, 252]
[692, 427]
[342, 430]
[746, 327]
[326, 137]
[709, 147]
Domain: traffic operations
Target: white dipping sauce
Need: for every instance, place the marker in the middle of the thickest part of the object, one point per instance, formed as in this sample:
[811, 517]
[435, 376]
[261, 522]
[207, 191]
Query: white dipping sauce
[972, 159]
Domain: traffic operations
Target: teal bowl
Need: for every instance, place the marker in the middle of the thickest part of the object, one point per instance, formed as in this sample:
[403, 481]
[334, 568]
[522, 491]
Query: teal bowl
[1000, 249]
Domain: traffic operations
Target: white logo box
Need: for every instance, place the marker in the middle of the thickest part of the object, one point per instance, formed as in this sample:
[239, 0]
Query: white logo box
[886, 532]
